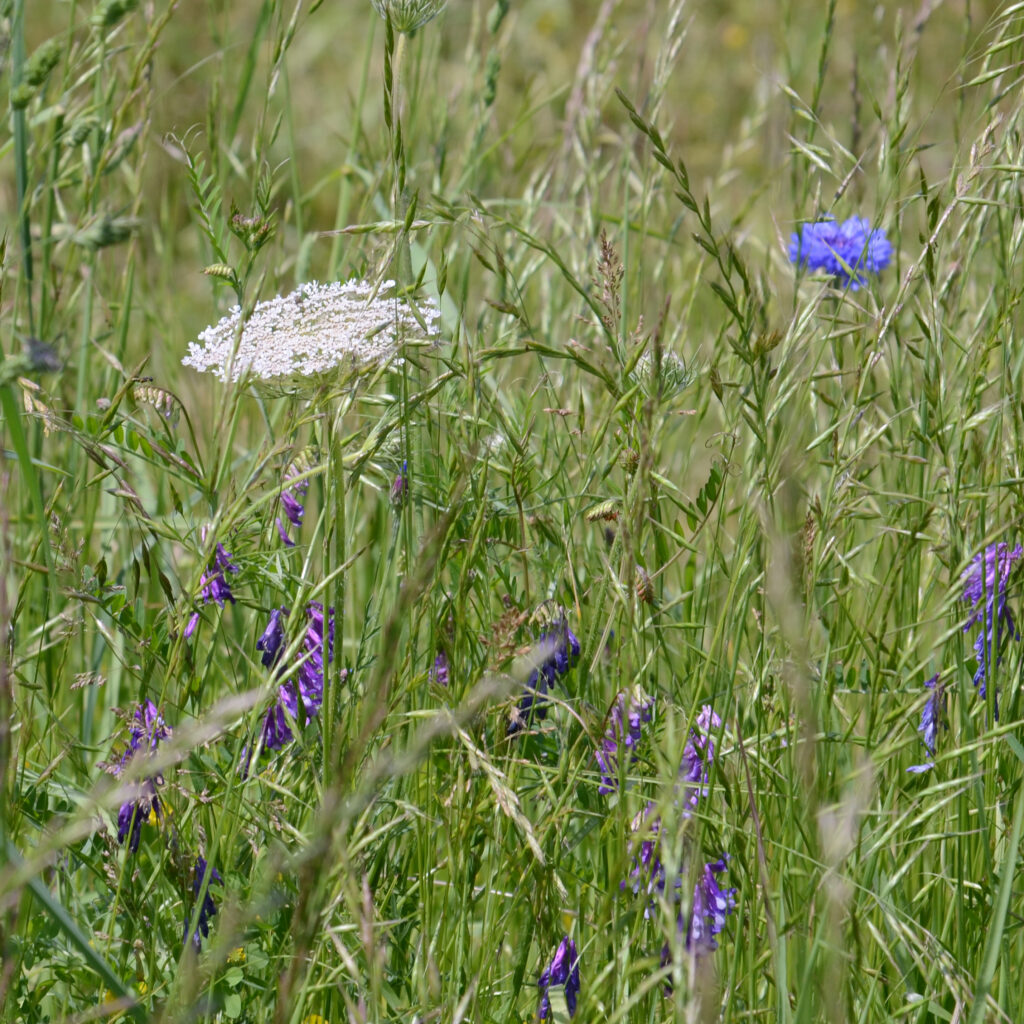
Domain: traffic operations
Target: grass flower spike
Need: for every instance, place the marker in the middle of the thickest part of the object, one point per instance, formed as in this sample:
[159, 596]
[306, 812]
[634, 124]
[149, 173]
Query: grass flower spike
[318, 329]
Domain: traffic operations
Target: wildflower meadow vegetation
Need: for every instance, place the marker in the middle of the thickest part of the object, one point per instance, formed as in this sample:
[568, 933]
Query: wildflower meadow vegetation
[511, 511]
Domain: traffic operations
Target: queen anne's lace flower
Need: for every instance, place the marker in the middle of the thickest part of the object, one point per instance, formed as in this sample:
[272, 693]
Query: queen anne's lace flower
[317, 329]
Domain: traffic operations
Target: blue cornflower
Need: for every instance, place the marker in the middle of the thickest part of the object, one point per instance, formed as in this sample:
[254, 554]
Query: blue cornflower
[148, 730]
[308, 684]
[984, 583]
[698, 756]
[561, 650]
[564, 969]
[625, 728]
[929, 726]
[207, 908]
[846, 251]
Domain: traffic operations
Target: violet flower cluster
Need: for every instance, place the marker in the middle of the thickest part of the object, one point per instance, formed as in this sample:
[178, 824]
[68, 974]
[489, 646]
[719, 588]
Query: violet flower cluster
[564, 969]
[625, 729]
[706, 916]
[929, 723]
[984, 582]
[561, 650]
[293, 497]
[148, 730]
[698, 756]
[207, 908]
[308, 682]
[213, 585]
[847, 251]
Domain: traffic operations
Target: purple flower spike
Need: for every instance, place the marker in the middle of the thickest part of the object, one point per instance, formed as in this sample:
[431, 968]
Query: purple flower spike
[293, 496]
[847, 251]
[273, 637]
[439, 672]
[207, 908]
[985, 583]
[698, 756]
[213, 586]
[929, 726]
[148, 730]
[400, 488]
[711, 906]
[307, 685]
[561, 650]
[564, 969]
[625, 728]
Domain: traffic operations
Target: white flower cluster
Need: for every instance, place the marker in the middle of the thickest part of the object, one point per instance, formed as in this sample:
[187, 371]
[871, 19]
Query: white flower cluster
[317, 329]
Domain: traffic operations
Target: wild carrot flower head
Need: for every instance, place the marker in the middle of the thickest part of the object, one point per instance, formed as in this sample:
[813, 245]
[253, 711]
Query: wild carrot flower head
[564, 969]
[629, 714]
[847, 251]
[318, 329]
[147, 731]
[929, 723]
[207, 909]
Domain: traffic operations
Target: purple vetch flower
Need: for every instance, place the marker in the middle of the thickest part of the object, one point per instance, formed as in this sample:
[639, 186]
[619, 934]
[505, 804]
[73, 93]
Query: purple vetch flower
[984, 582]
[560, 649]
[711, 907]
[439, 671]
[625, 728]
[293, 497]
[847, 251]
[698, 756]
[207, 908]
[929, 723]
[148, 730]
[307, 684]
[564, 969]
[647, 872]
[272, 639]
[213, 586]
[400, 488]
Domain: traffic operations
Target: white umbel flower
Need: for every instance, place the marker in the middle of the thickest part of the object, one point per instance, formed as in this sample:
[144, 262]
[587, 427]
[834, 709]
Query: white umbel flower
[318, 329]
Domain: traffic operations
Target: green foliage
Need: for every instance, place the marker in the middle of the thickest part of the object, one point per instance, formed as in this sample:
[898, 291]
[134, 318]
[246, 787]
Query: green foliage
[743, 488]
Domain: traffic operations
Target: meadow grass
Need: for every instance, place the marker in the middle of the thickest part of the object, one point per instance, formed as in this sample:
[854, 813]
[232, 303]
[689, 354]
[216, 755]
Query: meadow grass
[741, 485]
